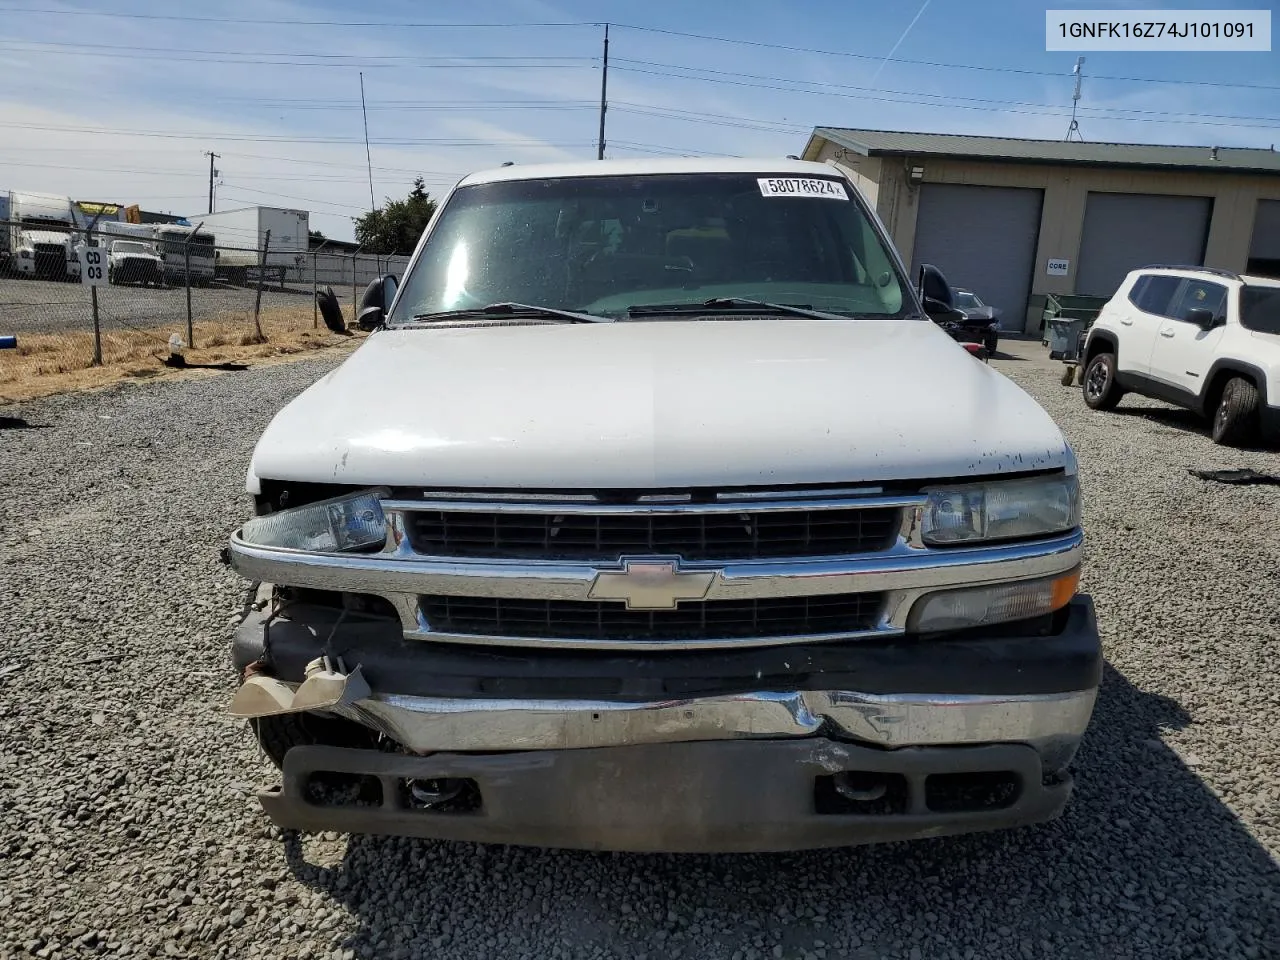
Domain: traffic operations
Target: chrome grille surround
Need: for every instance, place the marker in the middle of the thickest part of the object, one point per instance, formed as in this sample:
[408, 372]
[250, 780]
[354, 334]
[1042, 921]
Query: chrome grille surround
[901, 572]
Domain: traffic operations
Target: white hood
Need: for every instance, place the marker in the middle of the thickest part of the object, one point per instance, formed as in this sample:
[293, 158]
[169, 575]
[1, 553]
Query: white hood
[659, 404]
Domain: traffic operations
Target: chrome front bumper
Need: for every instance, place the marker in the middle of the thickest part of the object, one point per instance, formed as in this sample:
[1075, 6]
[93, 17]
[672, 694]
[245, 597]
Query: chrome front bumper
[1051, 723]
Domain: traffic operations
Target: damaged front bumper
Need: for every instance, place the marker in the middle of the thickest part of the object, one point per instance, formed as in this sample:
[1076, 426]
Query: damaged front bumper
[689, 750]
[703, 797]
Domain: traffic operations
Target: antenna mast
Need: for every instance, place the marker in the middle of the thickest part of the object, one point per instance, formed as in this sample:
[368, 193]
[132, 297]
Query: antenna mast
[1074, 128]
[368, 159]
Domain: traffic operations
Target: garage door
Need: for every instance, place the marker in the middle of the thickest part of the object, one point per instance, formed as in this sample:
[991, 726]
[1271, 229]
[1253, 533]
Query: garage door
[1264, 250]
[983, 239]
[1123, 231]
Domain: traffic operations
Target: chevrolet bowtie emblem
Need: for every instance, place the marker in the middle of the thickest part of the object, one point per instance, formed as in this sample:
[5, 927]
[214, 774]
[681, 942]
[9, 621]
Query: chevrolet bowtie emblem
[651, 584]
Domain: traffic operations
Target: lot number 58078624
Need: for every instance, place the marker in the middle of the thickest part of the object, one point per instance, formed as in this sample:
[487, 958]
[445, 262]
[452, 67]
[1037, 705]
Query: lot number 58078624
[93, 266]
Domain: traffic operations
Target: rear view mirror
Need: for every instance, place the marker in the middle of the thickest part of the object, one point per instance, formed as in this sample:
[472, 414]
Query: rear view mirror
[1202, 318]
[935, 294]
[376, 302]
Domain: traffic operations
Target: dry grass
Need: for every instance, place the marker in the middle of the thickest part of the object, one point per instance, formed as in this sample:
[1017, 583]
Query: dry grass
[49, 363]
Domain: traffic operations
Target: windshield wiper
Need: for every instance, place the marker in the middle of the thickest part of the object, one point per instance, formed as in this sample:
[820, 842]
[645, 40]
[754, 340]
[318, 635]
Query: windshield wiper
[730, 305]
[512, 311]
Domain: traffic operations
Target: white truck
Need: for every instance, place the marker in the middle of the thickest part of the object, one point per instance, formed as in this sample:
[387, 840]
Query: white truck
[181, 247]
[657, 514]
[42, 236]
[241, 233]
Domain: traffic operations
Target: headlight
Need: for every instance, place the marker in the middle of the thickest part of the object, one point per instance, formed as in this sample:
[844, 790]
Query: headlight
[1001, 510]
[24, 254]
[353, 522]
[999, 603]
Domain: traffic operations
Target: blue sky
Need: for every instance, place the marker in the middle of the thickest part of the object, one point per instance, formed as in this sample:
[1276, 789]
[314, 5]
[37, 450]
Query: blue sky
[123, 107]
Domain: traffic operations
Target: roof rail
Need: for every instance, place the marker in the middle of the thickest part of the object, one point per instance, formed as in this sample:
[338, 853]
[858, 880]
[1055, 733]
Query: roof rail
[1229, 275]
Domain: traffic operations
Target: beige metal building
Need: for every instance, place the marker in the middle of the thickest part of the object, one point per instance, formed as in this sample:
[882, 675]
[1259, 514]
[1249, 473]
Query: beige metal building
[1014, 220]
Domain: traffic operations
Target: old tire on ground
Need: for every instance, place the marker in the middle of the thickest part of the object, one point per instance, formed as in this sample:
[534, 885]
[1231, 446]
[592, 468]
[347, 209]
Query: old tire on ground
[991, 342]
[1101, 392]
[1235, 421]
[279, 733]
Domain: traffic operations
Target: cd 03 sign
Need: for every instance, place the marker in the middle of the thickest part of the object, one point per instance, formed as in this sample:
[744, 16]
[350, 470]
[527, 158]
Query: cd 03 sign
[93, 266]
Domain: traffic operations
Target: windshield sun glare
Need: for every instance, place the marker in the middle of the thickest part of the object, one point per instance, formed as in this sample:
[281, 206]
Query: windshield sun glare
[602, 245]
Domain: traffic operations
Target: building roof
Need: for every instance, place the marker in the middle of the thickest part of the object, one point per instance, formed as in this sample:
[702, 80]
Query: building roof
[876, 143]
[632, 168]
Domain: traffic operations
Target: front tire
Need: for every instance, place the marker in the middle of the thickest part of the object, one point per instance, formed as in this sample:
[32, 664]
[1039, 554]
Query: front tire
[280, 733]
[991, 342]
[1101, 392]
[1235, 421]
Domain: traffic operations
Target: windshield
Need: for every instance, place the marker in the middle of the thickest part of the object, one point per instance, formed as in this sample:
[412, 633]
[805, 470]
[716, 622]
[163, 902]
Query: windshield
[964, 298]
[1260, 309]
[603, 244]
[130, 246]
[173, 242]
[45, 223]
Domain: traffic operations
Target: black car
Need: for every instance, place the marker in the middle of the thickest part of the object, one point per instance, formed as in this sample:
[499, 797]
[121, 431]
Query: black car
[984, 317]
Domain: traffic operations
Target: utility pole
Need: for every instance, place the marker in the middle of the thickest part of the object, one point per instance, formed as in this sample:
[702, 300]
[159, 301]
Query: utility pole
[1074, 128]
[212, 156]
[604, 92]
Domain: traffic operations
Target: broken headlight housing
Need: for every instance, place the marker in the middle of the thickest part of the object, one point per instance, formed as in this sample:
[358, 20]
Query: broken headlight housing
[352, 522]
[1001, 510]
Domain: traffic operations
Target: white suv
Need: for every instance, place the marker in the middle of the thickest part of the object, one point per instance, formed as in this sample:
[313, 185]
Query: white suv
[1204, 339]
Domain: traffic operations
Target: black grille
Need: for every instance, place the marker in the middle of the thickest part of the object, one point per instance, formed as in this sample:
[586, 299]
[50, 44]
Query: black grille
[694, 536]
[703, 620]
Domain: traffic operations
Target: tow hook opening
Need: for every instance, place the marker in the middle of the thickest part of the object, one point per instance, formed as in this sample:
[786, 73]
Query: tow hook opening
[862, 793]
[441, 794]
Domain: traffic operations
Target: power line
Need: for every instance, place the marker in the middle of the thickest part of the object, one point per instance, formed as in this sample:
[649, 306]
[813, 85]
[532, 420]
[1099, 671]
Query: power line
[711, 38]
[241, 138]
[927, 63]
[300, 60]
[413, 105]
[128, 48]
[299, 23]
[153, 172]
[290, 196]
[663, 150]
[816, 87]
[931, 103]
[430, 176]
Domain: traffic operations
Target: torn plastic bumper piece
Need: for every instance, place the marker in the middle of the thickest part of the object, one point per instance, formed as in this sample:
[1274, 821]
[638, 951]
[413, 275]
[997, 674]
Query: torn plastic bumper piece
[327, 686]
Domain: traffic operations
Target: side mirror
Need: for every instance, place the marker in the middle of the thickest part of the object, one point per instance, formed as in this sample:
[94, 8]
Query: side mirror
[1202, 318]
[935, 294]
[375, 303]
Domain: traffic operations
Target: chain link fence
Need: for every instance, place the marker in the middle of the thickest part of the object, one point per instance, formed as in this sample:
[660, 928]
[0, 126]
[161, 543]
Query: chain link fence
[160, 296]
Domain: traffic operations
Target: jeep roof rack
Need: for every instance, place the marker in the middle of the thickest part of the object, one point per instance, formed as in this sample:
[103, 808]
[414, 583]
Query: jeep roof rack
[1216, 271]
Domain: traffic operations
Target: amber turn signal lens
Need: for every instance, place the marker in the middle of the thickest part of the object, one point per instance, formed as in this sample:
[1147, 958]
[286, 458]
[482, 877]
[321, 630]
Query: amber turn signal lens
[992, 604]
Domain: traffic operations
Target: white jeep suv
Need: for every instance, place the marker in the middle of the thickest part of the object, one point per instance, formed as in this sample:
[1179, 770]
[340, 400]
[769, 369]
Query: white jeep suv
[1201, 338]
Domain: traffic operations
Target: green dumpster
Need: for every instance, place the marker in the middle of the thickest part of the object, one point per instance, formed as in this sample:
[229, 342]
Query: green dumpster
[1071, 315]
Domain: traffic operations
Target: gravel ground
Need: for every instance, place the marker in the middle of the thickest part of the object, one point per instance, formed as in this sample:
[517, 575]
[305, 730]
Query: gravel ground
[128, 827]
[46, 306]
